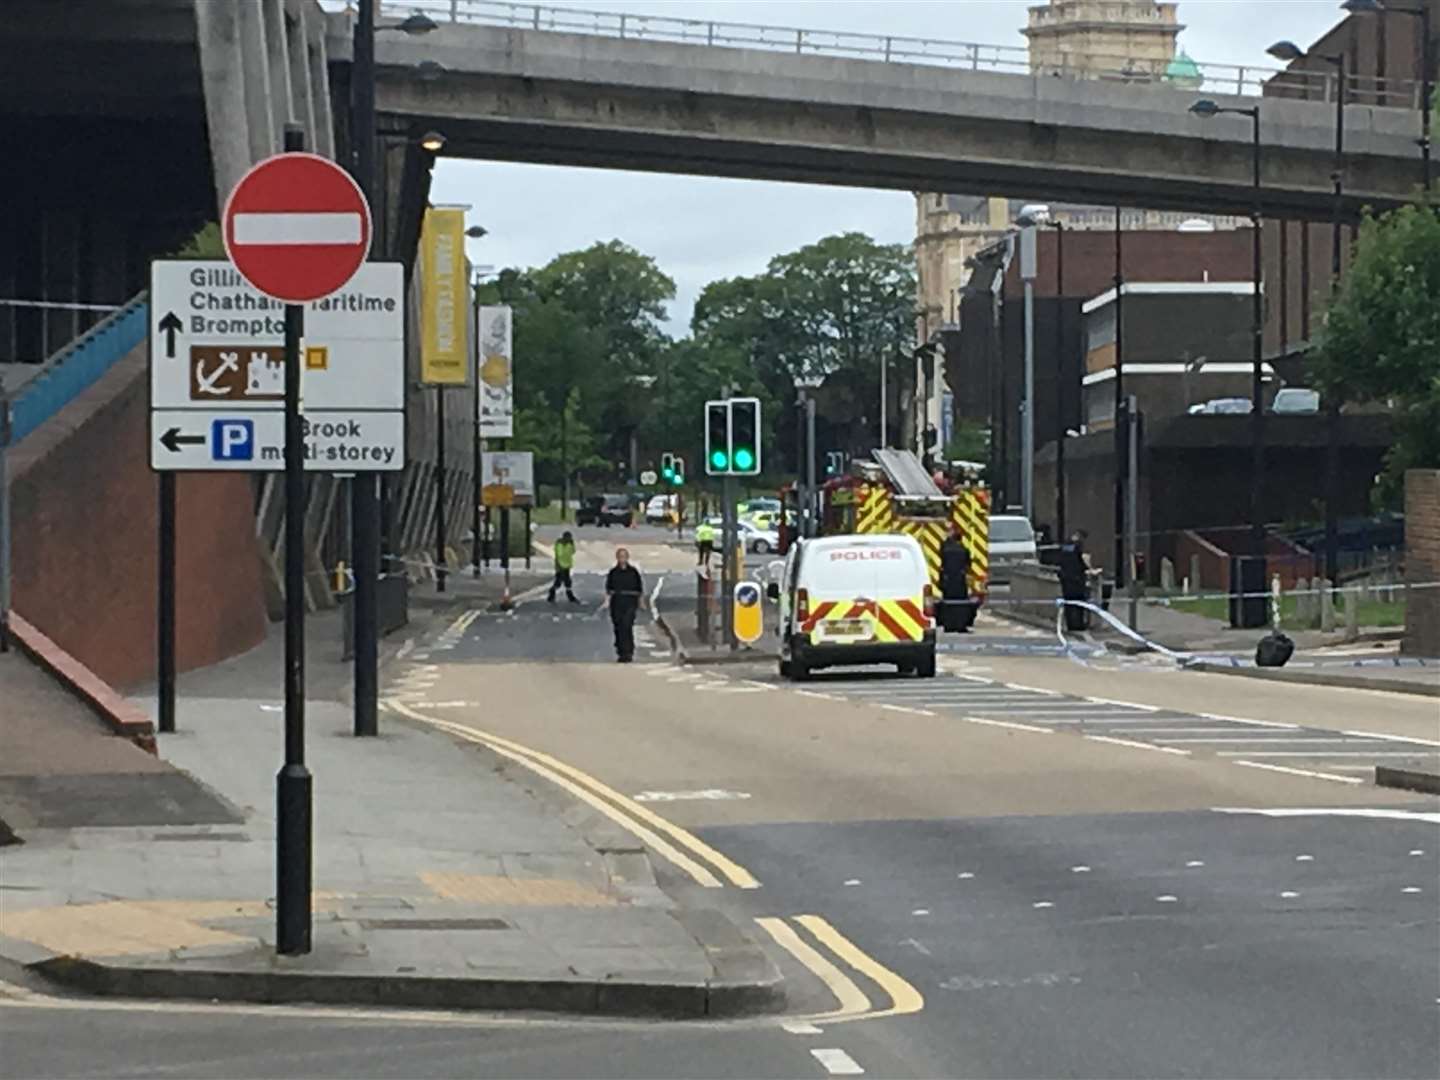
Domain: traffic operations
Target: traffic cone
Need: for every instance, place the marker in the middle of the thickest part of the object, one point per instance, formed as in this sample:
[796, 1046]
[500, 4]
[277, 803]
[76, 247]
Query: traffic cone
[506, 604]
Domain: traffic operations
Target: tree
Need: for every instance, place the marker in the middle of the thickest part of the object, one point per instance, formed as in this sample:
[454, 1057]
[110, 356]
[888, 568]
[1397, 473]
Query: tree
[1381, 337]
[836, 309]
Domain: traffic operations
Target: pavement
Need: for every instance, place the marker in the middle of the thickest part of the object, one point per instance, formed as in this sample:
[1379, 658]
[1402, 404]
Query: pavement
[1015, 869]
[442, 874]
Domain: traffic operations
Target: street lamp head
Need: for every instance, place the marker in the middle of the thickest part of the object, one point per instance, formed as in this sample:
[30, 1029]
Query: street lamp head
[432, 141]
[1286, 51]
[1363, 7]
[475, 232]
[1206, 108]
[430, 70]
[417, 24]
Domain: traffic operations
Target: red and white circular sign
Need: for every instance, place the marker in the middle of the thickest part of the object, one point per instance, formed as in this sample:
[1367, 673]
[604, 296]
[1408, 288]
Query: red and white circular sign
[297, 227]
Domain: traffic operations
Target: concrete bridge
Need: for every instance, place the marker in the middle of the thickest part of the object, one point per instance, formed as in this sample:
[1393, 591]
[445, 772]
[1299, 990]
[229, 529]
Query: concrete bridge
[518, 93]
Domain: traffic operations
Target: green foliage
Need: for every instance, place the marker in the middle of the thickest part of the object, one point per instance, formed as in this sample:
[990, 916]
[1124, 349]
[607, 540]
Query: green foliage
[970, 441]
[1381, 339]
[206, 243]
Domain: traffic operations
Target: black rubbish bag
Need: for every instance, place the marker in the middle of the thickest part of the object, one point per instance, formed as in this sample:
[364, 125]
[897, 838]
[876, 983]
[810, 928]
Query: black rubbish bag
[1274, 650]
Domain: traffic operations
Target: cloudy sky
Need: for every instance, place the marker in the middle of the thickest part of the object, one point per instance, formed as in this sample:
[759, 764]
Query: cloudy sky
[703, 228]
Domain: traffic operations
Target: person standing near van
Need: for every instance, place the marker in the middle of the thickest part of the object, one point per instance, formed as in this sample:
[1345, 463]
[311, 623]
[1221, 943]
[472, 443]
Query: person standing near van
[1073, 567]
[624, 593]
[564, 564]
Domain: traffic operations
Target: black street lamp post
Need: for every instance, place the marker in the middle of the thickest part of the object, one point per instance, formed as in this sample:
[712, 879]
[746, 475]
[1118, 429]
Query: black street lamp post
[1208, 108]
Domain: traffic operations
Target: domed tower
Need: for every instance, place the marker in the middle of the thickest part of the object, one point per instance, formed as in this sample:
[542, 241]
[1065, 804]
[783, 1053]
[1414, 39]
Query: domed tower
[1115, 39]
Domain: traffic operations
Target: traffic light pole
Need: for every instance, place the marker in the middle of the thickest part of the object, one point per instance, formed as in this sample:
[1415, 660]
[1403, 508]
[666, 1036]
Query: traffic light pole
[727, 575]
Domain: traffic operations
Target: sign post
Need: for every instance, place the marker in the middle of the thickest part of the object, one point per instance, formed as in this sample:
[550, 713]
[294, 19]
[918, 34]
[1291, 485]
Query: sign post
[297, 228]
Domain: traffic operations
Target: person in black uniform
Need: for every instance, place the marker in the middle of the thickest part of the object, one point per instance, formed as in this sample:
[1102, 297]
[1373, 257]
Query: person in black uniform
[1074, 570]
[624, 593]
[954, 568]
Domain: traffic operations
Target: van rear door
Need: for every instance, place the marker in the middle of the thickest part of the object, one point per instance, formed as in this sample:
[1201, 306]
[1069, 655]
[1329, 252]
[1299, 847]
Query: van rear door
[853, 588]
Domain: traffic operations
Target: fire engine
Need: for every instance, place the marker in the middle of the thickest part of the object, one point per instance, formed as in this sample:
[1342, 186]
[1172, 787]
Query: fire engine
[894, 494]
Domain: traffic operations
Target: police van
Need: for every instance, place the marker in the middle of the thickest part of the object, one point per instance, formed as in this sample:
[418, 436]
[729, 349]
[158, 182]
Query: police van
[855, 599]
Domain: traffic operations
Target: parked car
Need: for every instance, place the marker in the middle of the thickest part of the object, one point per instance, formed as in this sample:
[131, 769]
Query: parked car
[1296, 401]
[660, 507]
[759, 504]
[604, 510]
[758, 540]
[1225, 406]
[1012, 541]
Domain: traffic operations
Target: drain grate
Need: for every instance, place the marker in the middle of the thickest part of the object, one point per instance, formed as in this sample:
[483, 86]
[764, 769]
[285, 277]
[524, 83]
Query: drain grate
[434, 924]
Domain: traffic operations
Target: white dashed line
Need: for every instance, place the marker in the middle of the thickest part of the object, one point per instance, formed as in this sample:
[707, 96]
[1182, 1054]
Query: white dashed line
[1195, 862]
[1304, 858]
[1262, 739]
[816, 694]
[1288, 895]
[1391, 738]
[837, 1062]
[1301, 772]
[1411, 889]
[1008, 724]
[921, 911]
[852, 881]
[1320, 753]
[965, 875]
[1138, 745]
[796, 1027]
[1034, 689]
[1079, 870]
[1042, 904]
[907, 709]
[1417, 851]
[1243, 720]
[1166, 899]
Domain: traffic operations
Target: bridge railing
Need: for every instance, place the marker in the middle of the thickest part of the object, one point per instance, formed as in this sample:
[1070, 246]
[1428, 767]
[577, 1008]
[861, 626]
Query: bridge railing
[1198, 76]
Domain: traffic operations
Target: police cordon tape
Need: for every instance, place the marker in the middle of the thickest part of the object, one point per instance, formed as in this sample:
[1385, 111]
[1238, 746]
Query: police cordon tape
[1078, 651]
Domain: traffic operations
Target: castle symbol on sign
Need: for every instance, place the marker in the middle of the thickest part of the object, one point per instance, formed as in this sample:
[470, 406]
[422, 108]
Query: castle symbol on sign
[264, 376]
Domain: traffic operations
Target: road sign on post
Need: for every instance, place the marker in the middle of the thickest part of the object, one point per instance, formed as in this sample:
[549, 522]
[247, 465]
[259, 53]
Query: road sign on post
[297, 227]
[217, 372]
[748, 615]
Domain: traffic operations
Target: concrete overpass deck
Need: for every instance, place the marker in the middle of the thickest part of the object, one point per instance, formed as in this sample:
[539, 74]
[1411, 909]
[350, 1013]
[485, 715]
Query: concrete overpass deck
[538, 95]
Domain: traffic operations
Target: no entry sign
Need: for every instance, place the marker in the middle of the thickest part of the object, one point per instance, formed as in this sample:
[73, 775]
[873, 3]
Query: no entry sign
[297, 227]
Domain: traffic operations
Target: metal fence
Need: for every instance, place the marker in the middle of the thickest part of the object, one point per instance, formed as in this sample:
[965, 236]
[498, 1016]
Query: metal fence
[1200, 76]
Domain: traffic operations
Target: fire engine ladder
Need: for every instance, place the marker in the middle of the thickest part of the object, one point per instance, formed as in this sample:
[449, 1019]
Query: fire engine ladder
[906, 475]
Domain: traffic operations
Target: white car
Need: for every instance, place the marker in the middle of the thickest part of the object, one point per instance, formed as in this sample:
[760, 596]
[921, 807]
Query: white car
[660, 507]
[1296, 401]
[758, 540]
[1012, 541]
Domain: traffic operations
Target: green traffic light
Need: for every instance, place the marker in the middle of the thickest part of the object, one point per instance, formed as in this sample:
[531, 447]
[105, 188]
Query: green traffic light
[718, 458]
[744, 459]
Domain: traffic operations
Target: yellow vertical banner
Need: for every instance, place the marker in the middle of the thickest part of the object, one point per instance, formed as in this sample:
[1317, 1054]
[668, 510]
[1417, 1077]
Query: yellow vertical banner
[444, 352]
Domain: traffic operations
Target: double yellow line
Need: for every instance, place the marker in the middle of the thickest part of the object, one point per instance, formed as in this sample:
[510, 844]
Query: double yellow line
[852, 1002]
[686, 851]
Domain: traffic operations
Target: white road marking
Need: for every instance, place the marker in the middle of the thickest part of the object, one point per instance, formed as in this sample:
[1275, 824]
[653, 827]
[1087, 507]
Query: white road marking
[907, 709]
[1243, 720]
[975, 679]
[705, 795]
[1080, 869]
[852, 881]
[1178, 730]
[921, 911]
[1137, 745]
[1287, 895]
[758, 684]
[1124, 704]
[1263, 739]
[1301, 772]
[1007, 724]
[837, 1062]
[1411, 889]
[816, 694]
[1304, 858]
[797, 1028]
[1195, 862]
[1417, 851]
[1166, 899]
[1042, 904]
[965, 875]
[1034, 689]
[1391, 738]
[917, 946]
[1347, 811]
[1319, 753]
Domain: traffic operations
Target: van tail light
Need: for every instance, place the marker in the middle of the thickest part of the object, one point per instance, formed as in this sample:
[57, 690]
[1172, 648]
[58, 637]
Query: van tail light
[929, 601]
[802, 606]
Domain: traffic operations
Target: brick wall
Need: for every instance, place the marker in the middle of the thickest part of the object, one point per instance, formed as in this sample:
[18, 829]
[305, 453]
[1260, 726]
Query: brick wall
[1422, 562]
[84, 514]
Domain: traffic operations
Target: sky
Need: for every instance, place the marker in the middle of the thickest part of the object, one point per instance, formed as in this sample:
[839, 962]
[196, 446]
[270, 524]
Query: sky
[703, 228]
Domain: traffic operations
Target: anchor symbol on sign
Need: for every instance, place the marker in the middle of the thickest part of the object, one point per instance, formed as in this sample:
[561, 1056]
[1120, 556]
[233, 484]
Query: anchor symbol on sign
[229, 361]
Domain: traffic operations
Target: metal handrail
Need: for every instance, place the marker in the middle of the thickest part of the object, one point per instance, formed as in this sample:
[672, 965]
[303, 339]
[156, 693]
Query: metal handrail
[1238, 79]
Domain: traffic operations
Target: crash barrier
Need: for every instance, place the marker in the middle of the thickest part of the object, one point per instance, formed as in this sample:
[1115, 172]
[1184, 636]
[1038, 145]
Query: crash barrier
[392, 599]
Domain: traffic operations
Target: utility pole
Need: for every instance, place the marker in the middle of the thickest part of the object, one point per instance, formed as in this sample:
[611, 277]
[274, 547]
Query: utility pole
[1028, 258]
[1120, 431]
[1060, 346]
[1132, 441]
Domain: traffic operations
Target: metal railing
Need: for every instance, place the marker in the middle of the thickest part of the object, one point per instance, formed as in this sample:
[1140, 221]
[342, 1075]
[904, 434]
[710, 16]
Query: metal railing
[1193, 75]
[77, 366]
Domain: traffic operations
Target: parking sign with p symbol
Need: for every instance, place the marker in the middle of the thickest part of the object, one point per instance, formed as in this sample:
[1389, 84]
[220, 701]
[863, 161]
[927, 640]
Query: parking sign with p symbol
[232, 440]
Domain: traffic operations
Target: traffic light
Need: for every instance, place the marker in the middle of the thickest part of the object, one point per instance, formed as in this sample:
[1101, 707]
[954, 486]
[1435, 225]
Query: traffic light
[717, 437]
[667, 467]
[677, 471]
[834, 462]
[745, 436]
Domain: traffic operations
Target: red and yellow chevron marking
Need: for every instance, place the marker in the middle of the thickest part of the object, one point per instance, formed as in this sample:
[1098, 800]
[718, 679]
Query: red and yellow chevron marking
[889, 620]
[969, 515]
